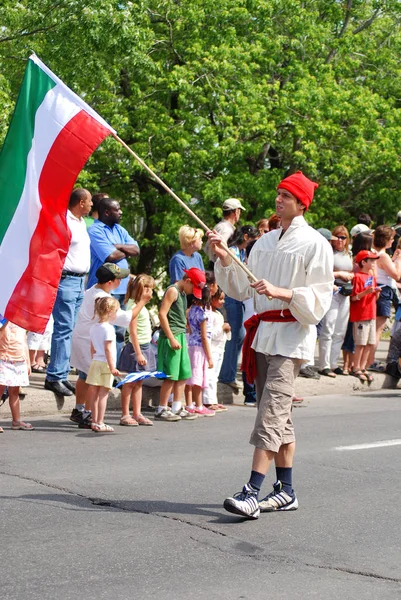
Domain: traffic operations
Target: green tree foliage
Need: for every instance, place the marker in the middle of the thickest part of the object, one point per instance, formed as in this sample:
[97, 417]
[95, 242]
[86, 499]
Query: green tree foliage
[224, 98]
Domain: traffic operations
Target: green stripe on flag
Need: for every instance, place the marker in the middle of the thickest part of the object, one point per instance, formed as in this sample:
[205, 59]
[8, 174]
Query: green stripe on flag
[18, 142]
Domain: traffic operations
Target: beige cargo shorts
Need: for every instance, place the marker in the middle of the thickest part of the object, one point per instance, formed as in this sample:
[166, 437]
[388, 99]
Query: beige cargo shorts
[274, 391]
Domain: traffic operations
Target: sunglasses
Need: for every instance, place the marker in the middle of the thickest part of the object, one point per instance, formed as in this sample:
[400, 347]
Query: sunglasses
[341, 237]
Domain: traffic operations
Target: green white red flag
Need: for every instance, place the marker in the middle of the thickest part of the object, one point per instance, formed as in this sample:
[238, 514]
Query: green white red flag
[51, 136]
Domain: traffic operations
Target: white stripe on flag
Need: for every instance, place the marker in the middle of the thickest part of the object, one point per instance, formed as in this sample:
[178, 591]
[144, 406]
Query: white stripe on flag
[133, 377]
[51, 117]
[72, 96]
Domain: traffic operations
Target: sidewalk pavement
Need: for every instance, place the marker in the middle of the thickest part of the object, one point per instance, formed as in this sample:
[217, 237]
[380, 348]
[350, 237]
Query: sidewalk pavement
[39, 401]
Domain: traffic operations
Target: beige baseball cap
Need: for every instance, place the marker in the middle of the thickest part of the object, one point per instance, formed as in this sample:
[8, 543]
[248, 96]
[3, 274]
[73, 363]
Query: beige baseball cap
[232, 204]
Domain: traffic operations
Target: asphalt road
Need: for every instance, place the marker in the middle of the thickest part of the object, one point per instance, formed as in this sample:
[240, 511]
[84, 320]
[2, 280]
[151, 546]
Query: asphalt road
[138, 513]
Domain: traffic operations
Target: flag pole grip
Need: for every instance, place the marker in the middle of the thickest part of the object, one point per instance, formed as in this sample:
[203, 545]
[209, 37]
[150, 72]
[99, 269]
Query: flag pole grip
[250, 275]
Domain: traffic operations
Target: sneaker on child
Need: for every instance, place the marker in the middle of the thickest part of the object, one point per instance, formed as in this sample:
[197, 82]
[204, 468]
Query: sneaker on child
[202, 411]
[186, 414]
[166, 415]
[244, 503]
[278, 499]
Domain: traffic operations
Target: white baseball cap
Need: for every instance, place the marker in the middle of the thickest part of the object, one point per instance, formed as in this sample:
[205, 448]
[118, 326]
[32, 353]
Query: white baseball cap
[232, 204]
[360, 228]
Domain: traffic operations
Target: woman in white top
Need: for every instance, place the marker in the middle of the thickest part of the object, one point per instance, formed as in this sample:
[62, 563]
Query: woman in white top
[387, 274]
[334, 324]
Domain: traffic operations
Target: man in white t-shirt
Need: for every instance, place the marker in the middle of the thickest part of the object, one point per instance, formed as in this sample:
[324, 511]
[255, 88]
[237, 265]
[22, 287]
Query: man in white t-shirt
[70, 294]
[226, 227]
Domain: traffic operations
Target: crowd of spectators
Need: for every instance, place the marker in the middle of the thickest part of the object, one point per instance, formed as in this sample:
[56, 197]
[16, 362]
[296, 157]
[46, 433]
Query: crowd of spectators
[367, 272]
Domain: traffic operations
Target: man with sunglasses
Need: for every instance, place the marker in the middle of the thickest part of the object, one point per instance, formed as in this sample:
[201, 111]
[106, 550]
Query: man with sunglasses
[294, 270]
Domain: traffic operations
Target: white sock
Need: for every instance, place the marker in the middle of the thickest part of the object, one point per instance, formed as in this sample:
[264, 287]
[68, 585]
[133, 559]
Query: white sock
[176, 406]
[160, 408]
[80, 407]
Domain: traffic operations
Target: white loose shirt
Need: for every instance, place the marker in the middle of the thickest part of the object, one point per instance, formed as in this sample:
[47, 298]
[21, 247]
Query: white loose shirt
[78, 259]
[301, 261]
[81, 343]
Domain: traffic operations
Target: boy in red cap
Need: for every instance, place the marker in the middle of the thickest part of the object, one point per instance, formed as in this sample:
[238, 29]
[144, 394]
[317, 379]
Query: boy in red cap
[363, 312]
[172, 350]
[294, 268]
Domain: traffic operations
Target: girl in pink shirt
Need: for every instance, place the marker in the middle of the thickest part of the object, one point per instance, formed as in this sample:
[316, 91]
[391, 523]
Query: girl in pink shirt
[14, 369]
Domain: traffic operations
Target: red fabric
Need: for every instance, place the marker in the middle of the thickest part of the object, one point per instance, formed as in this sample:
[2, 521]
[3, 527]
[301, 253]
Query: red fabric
[248, 365]
[300, 186]
[33, 298]
[365, 308]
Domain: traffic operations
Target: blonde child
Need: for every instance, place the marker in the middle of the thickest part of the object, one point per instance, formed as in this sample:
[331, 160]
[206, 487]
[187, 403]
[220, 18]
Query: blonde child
[103, 367]
[220, 333]
[172, 355]
[137, 354]
[199, 351]
[14, 369]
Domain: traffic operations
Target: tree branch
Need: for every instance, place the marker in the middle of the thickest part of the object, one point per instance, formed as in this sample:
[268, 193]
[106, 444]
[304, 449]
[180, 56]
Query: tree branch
[367, 23]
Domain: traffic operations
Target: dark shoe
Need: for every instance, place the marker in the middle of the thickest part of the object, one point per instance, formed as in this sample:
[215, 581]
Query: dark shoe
[328, 373]
[76, 416]
[249, 402]
[309, 373]
[85, 423]
[69, 385]
[4, 396]
[338, 371]
[233, 385]
[22, 393]
[58, 388]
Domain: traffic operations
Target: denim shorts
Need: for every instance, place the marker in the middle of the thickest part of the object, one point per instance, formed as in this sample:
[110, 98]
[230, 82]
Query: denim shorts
[385, 301]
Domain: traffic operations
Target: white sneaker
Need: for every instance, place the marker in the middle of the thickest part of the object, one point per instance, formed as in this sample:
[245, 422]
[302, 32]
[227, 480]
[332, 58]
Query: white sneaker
[166, 415]
[186, 415]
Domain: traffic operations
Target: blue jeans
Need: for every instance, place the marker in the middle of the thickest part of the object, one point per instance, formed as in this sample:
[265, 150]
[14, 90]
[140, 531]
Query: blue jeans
[235, 317]
[68, 301]
[120, 331]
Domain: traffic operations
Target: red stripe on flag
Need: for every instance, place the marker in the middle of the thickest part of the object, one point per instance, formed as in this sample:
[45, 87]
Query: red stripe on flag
[33, 298]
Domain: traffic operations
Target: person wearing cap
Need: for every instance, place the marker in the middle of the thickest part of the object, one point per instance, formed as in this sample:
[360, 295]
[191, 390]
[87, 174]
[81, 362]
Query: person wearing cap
[111, 243]
[70, 294]
[334, 325]
[172, 351]
[225, 228]
[397, 236]
[108, 277]
[293, 291]
[363, 312]
[387, 274]
[359, 228]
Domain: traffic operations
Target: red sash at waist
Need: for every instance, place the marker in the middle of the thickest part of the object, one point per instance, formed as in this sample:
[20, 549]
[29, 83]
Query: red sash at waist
[248, 365]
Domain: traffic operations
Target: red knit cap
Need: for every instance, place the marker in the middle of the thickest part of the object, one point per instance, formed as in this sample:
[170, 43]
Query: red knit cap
[300, 186]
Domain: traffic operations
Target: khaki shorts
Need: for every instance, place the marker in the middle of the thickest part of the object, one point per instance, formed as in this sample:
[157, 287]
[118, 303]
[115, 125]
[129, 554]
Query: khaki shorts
[364, 332]
[274, 391]
[99, 374]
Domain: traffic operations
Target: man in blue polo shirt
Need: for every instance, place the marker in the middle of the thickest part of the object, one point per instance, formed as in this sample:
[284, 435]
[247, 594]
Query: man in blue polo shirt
[111, 243]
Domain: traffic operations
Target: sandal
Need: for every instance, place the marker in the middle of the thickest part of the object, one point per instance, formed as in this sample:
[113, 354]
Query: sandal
[16, 425]
[360, 375]
[101, 428]
[38, 369]
[327, 372]
[368, 376]
[128, 421]
[345, 372]
[141, 420]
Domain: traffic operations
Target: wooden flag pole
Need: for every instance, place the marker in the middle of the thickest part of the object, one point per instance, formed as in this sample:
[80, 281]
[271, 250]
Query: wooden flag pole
[250, 275]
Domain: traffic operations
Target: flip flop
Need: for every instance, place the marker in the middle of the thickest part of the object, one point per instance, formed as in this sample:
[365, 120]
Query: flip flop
[360, 375]
[141, 420]
[128, 421]
[22, 426]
